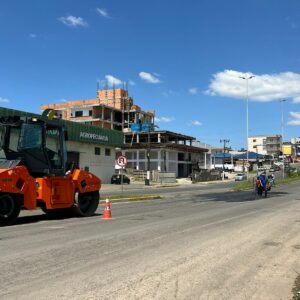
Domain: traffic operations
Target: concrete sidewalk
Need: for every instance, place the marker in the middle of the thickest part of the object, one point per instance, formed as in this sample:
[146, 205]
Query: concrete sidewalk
[140, 185]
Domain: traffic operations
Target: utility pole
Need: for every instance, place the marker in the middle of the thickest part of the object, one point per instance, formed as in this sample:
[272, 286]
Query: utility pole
[282, 124]
[224, 141]
[147, 180]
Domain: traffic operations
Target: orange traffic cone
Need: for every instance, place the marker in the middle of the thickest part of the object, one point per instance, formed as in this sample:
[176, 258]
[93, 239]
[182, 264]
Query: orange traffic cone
[107, 212]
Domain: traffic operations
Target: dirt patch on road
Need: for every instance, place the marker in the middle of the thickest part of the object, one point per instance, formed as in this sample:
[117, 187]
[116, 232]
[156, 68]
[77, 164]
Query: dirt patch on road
[296, 289]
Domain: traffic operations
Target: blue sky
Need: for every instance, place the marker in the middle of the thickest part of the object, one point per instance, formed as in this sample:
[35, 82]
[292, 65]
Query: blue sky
[184, 59]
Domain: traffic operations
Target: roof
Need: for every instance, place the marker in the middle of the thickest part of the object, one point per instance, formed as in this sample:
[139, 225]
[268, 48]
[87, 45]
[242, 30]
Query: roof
[77, 131]
[165, 132]
[265, 135]
[251, 155]
[222, 155]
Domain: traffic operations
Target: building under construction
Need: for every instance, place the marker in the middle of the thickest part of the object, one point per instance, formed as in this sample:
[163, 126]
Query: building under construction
[115, 109]
[111, 109]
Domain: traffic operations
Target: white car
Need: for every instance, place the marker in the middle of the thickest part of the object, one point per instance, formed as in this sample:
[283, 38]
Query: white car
[240, 177]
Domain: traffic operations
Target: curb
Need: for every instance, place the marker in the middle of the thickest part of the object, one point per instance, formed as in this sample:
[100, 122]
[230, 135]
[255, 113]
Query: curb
[142, 198]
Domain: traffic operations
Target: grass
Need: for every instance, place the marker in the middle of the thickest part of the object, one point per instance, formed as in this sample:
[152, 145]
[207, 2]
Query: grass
[287, 180]
[248, 185]
[244, 185]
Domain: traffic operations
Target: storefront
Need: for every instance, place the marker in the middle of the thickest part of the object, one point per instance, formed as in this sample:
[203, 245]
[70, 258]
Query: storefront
[89, 147]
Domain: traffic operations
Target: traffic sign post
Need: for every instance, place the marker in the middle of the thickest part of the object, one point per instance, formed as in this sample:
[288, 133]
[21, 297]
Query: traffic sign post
[122, 162]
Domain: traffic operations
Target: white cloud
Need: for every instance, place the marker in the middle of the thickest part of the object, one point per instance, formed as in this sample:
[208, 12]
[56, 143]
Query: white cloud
[72, 21]
[164, 119]
[63, 100]
[113, 80]
[4, 100]
[32, 35]
[193, 91]
[149, 77]
[262, 88]
[196, 123]
[103, 12]
[296, 99]
[295, 118]
[168, 93]
[131, 82]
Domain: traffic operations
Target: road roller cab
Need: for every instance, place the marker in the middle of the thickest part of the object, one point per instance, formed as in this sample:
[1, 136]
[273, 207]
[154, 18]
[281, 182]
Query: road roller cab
[34, 171]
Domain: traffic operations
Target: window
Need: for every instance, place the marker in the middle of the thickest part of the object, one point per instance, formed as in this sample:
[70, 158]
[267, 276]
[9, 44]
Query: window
[107, 152]
[78, 113]
[53, 148]
[97, 151]
[31, 137]
[90, 113]
[13, 139]
[254, 140]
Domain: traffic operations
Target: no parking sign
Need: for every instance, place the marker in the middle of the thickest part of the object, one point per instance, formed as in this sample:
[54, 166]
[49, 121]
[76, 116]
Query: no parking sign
[122, 161]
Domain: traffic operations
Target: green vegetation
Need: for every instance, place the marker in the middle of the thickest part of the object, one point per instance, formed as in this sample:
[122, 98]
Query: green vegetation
[253, 172]
[244, 185]
[288, 179]
[248, 185]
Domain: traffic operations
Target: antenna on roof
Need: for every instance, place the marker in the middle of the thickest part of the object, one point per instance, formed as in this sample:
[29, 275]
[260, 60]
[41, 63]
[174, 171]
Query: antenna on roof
[114, 94]
[105, 87]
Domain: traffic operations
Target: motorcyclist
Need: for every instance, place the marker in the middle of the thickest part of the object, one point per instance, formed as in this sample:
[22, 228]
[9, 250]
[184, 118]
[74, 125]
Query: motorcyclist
[271, 178]
[262, 184]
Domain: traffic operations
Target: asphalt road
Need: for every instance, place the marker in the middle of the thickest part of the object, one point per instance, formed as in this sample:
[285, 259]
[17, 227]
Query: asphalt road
[199, 242]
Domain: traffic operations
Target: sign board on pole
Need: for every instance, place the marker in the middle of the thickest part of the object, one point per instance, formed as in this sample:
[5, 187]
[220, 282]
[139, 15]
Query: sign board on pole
[122, 161]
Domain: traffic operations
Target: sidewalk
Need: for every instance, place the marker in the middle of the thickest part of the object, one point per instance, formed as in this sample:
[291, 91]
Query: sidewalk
[140, 185]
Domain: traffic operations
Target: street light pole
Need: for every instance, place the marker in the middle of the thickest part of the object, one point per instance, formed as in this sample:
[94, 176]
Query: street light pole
[224, 141]
[247, 118]
[147, 180]
[150, 127]
[282, 124]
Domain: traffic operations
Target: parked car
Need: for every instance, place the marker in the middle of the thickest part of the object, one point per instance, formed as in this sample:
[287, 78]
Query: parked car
[240, 177]
[117, 179]
[262, 169]
[274, 168]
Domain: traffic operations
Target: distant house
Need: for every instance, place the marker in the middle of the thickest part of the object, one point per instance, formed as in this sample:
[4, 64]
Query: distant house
[265, 144]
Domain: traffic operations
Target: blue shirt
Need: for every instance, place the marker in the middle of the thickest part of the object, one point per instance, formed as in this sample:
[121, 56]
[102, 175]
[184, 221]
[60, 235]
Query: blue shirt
[263, 180]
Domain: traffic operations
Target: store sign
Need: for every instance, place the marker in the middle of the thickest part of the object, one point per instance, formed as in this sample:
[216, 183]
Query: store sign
[93, 136]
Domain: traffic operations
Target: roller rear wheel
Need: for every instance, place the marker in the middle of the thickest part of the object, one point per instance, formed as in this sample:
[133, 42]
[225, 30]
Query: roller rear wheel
[9, 209]
[86, 204]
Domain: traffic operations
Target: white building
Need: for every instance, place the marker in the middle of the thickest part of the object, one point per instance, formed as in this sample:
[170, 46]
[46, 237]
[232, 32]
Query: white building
[265, 144]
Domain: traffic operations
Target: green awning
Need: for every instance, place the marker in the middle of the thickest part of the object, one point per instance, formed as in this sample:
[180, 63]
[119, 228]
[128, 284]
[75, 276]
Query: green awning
[77, 131]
